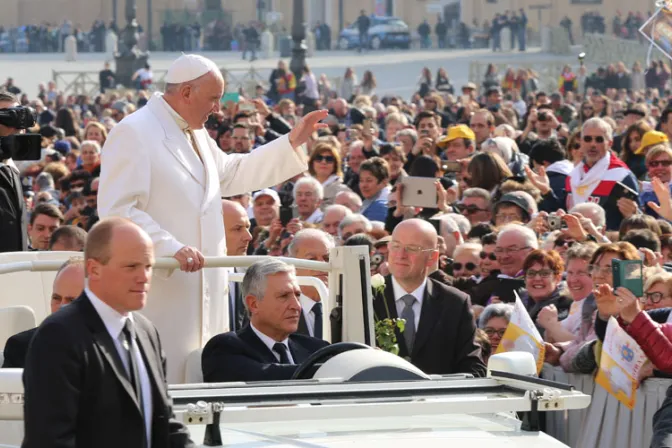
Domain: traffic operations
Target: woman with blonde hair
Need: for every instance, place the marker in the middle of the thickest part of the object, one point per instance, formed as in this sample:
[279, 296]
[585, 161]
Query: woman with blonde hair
[348, 85]
[95, 131]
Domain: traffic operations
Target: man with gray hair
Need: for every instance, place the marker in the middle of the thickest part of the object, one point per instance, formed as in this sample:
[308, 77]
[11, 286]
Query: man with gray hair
[594, 179]
[352, 225]
[593, 222]
[356, 156]
[514, 243]
[315, 245]
[268, 349]
[350, 200]
[308, 195]
[333, 215]
[475, 205]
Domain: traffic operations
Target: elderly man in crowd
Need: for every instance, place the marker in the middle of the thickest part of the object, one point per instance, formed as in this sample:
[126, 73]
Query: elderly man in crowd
[269, 348]
[514, 243]
[311, 244]
[352, 225]
[350, 200]
[355, 158]
[308, 195]
[333, 215]
[265, 207]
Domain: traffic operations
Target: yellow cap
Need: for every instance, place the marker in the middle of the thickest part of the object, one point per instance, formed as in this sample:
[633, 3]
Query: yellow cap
[651, 138]
[455, 132]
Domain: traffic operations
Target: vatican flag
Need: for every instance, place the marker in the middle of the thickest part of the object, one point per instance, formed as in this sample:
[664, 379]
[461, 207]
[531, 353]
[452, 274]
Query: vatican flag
[522, 336]
[620, 363]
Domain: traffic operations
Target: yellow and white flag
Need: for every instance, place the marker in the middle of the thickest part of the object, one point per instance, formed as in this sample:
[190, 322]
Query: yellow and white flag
[522, 336]
[620, 363]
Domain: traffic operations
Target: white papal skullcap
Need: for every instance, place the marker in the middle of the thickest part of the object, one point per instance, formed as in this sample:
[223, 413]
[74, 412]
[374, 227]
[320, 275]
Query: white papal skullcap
[189, 67]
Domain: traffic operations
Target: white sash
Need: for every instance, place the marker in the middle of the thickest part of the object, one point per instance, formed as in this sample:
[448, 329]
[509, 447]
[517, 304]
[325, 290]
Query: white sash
[584, 183]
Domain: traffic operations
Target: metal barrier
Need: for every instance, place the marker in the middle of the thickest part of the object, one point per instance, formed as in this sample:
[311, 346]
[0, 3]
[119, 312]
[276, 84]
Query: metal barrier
[606, 423]
[548, 72]
[348, 268]
[87, 82]
[603, 50]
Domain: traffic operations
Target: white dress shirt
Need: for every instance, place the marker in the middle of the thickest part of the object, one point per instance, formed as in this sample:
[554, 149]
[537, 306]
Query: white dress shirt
[419, 294]
[114, 323]
[270, 343]
[307, 305]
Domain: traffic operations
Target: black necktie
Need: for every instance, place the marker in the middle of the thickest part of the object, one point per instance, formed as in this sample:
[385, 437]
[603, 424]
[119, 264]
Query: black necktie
[134, 375]
[232, 306]
[317, 311]
[281, 349]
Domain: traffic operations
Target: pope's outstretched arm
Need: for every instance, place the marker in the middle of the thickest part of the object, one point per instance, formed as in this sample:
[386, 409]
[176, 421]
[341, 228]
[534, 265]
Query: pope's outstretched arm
[124, 186]
[270, 164]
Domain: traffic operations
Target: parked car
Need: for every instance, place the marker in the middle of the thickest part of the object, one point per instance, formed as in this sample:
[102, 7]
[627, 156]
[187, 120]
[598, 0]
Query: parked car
[385, 32]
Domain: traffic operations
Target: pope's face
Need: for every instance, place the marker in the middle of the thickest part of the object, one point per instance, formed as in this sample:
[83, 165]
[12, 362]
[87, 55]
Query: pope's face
[203, 99]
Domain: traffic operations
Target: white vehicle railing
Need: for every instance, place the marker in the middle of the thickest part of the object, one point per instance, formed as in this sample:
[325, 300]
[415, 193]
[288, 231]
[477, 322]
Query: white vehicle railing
[348, 268]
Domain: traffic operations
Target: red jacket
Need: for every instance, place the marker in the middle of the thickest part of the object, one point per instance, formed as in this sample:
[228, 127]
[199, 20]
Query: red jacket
[655, 339]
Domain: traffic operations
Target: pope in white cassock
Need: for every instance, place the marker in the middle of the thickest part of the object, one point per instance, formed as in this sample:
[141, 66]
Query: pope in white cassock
[161, 169]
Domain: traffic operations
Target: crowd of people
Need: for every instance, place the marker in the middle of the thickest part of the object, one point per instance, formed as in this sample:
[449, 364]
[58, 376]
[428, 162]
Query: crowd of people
[534, 195]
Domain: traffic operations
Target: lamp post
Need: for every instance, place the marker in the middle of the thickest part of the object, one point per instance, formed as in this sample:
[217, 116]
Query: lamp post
[298, 36]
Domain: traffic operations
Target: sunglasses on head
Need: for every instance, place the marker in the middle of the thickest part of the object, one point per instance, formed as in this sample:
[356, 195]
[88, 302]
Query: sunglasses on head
[467, 266]
[657, 163]
[490, 255]
[328, 159]
[590, 138]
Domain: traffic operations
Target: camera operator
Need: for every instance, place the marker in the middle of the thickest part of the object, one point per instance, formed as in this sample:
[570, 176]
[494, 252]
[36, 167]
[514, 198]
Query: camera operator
[13, 234]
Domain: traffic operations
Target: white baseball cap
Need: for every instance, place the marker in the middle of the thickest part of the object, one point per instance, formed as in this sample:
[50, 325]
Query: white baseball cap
[266, 192]
[189, 67]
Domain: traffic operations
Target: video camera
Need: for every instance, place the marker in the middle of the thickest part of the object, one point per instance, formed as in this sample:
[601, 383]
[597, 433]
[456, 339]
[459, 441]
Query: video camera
[20, 146]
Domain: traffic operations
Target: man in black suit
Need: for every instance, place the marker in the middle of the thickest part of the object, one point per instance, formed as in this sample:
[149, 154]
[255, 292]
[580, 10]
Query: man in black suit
[68, 285]
[439, 334]
[268, 348]
[238, 237]
[13, 233]
[95, 370]
[311, 244]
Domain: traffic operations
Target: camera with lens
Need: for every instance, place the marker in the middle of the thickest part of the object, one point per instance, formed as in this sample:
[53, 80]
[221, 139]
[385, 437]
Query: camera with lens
[19, 146]
[286, 207]
[555, 222]
[543, 116]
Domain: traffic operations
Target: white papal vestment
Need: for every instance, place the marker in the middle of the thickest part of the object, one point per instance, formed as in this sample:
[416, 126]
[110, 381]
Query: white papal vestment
[151, 175]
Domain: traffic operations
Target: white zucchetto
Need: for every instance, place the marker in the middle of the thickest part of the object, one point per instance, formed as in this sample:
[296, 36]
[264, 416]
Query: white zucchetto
[189, 67]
